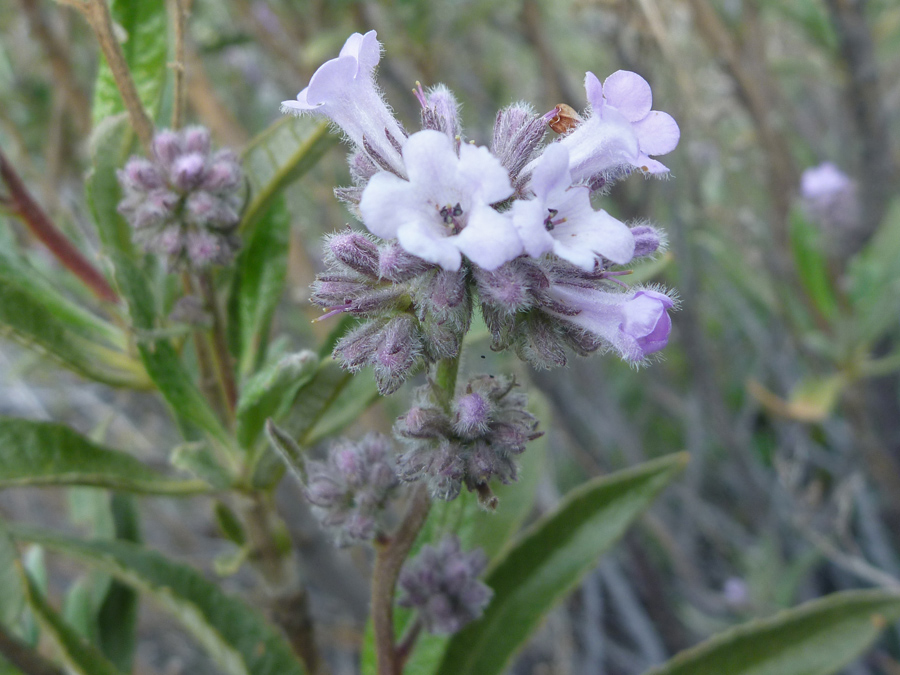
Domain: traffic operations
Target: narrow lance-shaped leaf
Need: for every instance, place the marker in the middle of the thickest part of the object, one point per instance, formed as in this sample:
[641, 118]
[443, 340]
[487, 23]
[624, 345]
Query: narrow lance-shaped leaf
[145, 49]
[12, 592]
[46, 453]
[279, 155]
[549, 561]
[818, 638]
[79, 654]
[235, 635]
[260, 273]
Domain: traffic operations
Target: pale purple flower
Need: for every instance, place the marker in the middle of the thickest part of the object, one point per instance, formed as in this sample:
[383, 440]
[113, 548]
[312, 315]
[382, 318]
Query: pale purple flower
[560, 218]
[630, 96]
[634, 324]
[344, 90]
[823, 182]
[444, 210]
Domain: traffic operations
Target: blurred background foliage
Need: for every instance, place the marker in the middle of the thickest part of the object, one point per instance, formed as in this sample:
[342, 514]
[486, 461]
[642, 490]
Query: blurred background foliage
[781, 379]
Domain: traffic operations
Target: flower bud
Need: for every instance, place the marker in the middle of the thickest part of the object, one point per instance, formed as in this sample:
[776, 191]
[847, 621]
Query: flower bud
[356, 251]
[646, 321]
[473, 415]
[441, 582]
[647, 240]
[140, 174]
[395, 264]
[166, 147]
[187, 171]
[224, 173]
[398, 353]
[440, 111]
[517, 133]
[196, 139]
[350, 490]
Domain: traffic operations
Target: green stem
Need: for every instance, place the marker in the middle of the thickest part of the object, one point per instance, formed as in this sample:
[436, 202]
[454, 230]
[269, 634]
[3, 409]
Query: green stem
[220, 353]
[445, 372]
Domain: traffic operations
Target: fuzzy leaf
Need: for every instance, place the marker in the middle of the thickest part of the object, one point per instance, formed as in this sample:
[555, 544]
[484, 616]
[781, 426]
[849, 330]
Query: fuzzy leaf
[817, 638]
[549, 560]
[46, 453]
[79, 654]
[280, 155]
[260, 273]
[236, 636]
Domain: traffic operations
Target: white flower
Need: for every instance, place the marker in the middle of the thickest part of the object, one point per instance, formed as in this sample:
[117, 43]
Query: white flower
[444, 210]
[561, 219]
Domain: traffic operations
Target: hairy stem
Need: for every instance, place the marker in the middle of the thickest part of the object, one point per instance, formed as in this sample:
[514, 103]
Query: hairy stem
[178, 28]
[220, 353]
[22, 204]
[97, 14]
[389, 558]
[202, 345]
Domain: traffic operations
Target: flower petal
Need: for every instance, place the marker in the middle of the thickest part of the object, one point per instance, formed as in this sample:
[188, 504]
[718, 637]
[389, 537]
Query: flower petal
[430, 158]
[489, 239]
[364, 48]
[551, 174]
[651, 166]
[628, 93]
[387, 204]
[600, 234]
[428, 245]
[299, 106]
[528, 219]
[331, 80]
[481, 175]
[594, 91]
[657, 133]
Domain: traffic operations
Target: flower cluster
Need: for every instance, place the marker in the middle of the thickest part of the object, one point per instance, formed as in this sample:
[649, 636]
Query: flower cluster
[830, 197]
[350, 490]
[184, 202]
[511, 227]
[469, 442]
[441, 582]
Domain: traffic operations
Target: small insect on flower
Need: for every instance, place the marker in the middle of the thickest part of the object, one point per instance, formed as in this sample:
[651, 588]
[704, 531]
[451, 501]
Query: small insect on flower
[565, 120]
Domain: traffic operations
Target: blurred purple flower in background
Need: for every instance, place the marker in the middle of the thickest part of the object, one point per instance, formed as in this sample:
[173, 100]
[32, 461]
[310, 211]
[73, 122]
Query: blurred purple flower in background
[829, 197]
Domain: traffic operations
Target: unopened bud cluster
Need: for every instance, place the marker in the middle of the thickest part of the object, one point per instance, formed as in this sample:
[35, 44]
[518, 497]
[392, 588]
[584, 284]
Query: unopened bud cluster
[351, 489]
[472, 441]
[441, 582]
[414, 312]
[184, 201]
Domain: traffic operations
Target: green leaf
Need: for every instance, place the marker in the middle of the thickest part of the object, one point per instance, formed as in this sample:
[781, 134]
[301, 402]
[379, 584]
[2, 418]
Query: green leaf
[79, 654]
[260, 273]
[46, 453]
[279, 155]
[235, 635]
[874, 280]
[817, 638]
[812, 266]
[200, 460]
[41, 320]
[549, 560]
[328, 402]
[12, 593]
[78, 610]
[270, 393]
[145, 49]
[117, 615]
[109, 147]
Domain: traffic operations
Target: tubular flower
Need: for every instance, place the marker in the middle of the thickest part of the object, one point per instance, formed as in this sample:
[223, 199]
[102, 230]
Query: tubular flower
[344, 90]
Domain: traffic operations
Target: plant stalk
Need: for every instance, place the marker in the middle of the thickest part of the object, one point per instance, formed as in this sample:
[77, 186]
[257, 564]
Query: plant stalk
[23, 205]
[220, 353]
[389, 559]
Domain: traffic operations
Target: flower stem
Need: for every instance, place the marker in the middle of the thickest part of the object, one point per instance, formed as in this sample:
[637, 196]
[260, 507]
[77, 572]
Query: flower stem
[97, 14]
[180, 10]
[220, 353]
[22, 204]
[389, 558]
